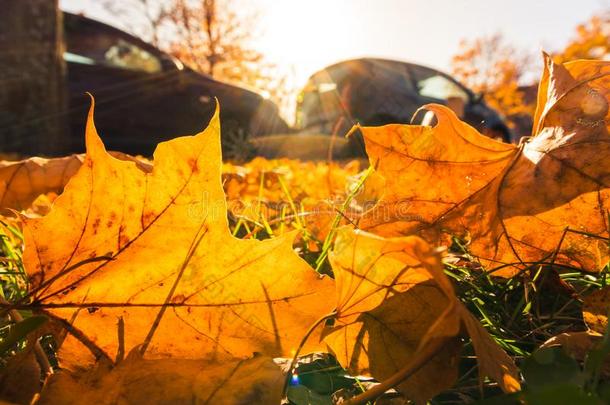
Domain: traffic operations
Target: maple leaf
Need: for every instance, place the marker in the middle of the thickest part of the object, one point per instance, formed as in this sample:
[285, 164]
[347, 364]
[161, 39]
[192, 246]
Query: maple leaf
[393, 299]
[152, 248]
[169, 381]
[513, 203]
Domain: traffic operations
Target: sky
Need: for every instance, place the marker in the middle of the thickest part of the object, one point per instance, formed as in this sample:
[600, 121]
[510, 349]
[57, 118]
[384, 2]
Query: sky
[303, 36]
[315, 33]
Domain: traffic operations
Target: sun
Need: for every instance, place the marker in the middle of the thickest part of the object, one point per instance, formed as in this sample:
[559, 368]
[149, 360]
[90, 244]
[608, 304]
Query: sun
[306, 36]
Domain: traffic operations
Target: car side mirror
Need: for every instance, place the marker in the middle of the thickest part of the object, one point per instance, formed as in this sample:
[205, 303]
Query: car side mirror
[174, 65]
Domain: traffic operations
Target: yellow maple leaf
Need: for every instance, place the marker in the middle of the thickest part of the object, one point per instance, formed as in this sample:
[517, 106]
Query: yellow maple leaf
[393, 300]
[169, 381]
[151, 246]
[513, 203]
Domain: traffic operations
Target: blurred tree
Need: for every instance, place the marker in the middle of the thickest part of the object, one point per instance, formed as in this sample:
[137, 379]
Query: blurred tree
[144, 18]
[592, 40]
[490, 66]
[32, 77]
[213, 39]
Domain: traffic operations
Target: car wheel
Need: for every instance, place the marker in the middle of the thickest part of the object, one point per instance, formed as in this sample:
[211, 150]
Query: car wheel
[235, 141]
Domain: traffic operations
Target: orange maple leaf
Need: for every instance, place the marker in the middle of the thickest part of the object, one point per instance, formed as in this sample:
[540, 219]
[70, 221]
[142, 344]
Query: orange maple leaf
[150, 246]
[545, 201]
[393, 300]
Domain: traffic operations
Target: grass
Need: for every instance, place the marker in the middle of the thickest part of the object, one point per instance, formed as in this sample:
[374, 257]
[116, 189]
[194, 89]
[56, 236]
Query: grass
[13, 282]
[519, 313]
[12, 274]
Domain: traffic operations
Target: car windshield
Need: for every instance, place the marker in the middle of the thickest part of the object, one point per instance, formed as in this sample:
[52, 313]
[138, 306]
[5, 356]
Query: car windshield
[347, 88]
[319, 102]
[435, 85]
[91, 44]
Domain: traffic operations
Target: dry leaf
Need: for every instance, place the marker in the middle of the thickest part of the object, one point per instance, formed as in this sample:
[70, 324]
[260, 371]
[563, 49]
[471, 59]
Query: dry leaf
[170, 381]
[154, 248]
[513, 203]
[22, 182]
[392, 299]
[288, 194]
[578, 345]
[575, 344]
[595, 309]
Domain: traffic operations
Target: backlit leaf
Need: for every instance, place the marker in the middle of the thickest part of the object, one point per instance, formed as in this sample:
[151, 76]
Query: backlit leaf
[513, 203]
[392, 299]
[153, 248]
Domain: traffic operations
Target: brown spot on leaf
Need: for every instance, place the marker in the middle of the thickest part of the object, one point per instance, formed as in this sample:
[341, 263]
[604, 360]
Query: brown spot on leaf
[178, 299]
[96, 225]
[193, 165]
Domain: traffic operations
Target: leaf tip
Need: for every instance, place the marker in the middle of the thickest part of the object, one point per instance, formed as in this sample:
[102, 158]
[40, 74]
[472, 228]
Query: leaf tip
[93, 143]
[215, 120]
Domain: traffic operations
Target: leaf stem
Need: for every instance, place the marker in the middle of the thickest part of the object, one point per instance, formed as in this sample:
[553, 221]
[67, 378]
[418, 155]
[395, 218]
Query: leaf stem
[407, 371]
[301, 344]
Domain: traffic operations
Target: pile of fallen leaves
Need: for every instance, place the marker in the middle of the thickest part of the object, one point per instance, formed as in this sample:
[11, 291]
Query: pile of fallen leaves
[180, 279]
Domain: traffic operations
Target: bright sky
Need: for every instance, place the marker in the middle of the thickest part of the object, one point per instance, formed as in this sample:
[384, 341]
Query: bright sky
[307, 35]
[315, 33]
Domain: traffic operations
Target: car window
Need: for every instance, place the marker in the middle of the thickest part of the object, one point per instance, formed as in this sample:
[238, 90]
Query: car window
[432, 84]
[320, 102]
[390, 75]
[91, 44]
[349, 88]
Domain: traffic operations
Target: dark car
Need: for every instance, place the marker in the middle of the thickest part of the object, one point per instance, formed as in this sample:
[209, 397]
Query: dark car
[377, 92]
[144, 96]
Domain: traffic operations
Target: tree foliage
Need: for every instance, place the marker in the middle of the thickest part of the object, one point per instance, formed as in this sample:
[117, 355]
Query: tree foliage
[491, 66]
[592, 40]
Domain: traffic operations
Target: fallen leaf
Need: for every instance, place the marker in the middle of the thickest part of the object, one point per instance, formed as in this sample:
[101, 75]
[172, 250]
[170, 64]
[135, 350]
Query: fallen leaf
[512, 203]
[393, 299]
[595, 309]
[579, 346]
[575, 344]
[153, 248]
[288, 194]
[169, 381]
[22, 182]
